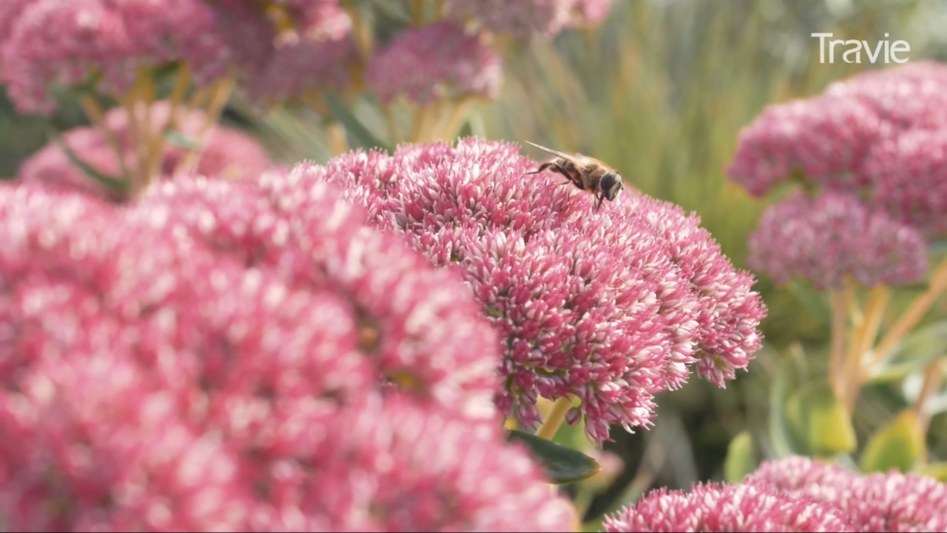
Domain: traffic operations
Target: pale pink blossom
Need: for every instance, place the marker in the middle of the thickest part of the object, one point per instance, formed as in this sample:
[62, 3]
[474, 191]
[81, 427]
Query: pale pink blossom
[824, 239]
[244, 355]
[523, 18]
[719, 508]
[434, 62]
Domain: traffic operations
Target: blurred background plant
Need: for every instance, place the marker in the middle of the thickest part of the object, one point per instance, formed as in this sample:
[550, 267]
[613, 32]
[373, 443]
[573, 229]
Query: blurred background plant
[660, 89]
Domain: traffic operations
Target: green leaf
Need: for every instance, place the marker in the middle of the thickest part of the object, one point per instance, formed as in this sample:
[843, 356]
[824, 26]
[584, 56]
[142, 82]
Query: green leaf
[358, 134]
[741, 457]
[913, 354]
[118, 185]
[820, 421]
[899, 444]
[561, 463]
[785, 381]
[937, 470]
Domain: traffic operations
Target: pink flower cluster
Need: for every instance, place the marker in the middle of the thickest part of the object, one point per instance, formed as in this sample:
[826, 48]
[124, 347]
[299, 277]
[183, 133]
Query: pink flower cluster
[793, 236]
[243, 356]
[879, 137]
[523, 18]
[282, 47]
[794, 494]
[612, 307]
[226, 153]
[435, 62]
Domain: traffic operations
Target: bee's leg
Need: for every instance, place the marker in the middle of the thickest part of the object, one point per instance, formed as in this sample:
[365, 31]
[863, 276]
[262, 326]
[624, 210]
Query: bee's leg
[541, 168]
[601, 198]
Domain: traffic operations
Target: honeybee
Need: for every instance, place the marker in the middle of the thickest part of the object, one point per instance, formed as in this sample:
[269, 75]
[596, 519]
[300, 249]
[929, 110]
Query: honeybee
[586, 173]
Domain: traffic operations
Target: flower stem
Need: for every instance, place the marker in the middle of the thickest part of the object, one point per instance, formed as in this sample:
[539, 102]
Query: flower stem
[862, 340]
[97, 117]
[913, 314]
[555, 418]
[218, 99]
[933, 376]
[837, 346]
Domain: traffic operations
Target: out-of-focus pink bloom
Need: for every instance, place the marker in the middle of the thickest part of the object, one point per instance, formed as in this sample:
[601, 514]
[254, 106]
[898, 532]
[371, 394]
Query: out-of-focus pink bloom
[879, 136]
[57, 42]
[281, 48]
[401, 467]
[523, 18]
[438, 61]
[823, 239]
[240, 355]
[909, 178]
[310, 49]
[418, 325]
[609, 306]
[873, 502]
[294, 68]
[823, 141]
[718, 508]
[908, 96]
[226, 153]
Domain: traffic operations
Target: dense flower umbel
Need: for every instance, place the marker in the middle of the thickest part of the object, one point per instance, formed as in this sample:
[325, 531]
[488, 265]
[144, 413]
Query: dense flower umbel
[226, 153]
[170, 371]
[869, 502]
[718, 508]
[610, 306]
[281, 48]
[435, 62]
[56, 42]
[523, 18]
[879, 136]
[418, 326]
[794, 494]
[834, 235]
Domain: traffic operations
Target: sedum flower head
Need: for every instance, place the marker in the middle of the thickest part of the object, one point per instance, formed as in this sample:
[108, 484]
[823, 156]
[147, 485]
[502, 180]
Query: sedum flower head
[834, 235]
[55, 42]
[417, 325]
[869, 502]
[610, 306]
[225, 152]
[879, 136]
[241, 356]
[435, 62]
[909, 178]
[714, 507]
[523, 18]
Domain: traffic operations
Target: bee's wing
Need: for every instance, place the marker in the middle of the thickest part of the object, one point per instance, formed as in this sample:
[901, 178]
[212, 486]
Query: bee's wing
[551, 151]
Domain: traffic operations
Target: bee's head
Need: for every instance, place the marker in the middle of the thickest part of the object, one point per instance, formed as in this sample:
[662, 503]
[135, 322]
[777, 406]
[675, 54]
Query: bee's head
[611, 185]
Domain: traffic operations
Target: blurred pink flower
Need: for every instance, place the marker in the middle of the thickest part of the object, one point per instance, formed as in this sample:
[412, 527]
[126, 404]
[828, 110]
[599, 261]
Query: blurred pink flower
[523, 18]
[281, 48]
[227, 153]
[823, 239]
[823, 141]
[909, 178]
[438, 61]
[609, 306]
[240, 355]
[55, 42]
[869, 502]
[879, 136]
[418, 326]
[398, 467]
[719, 508]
